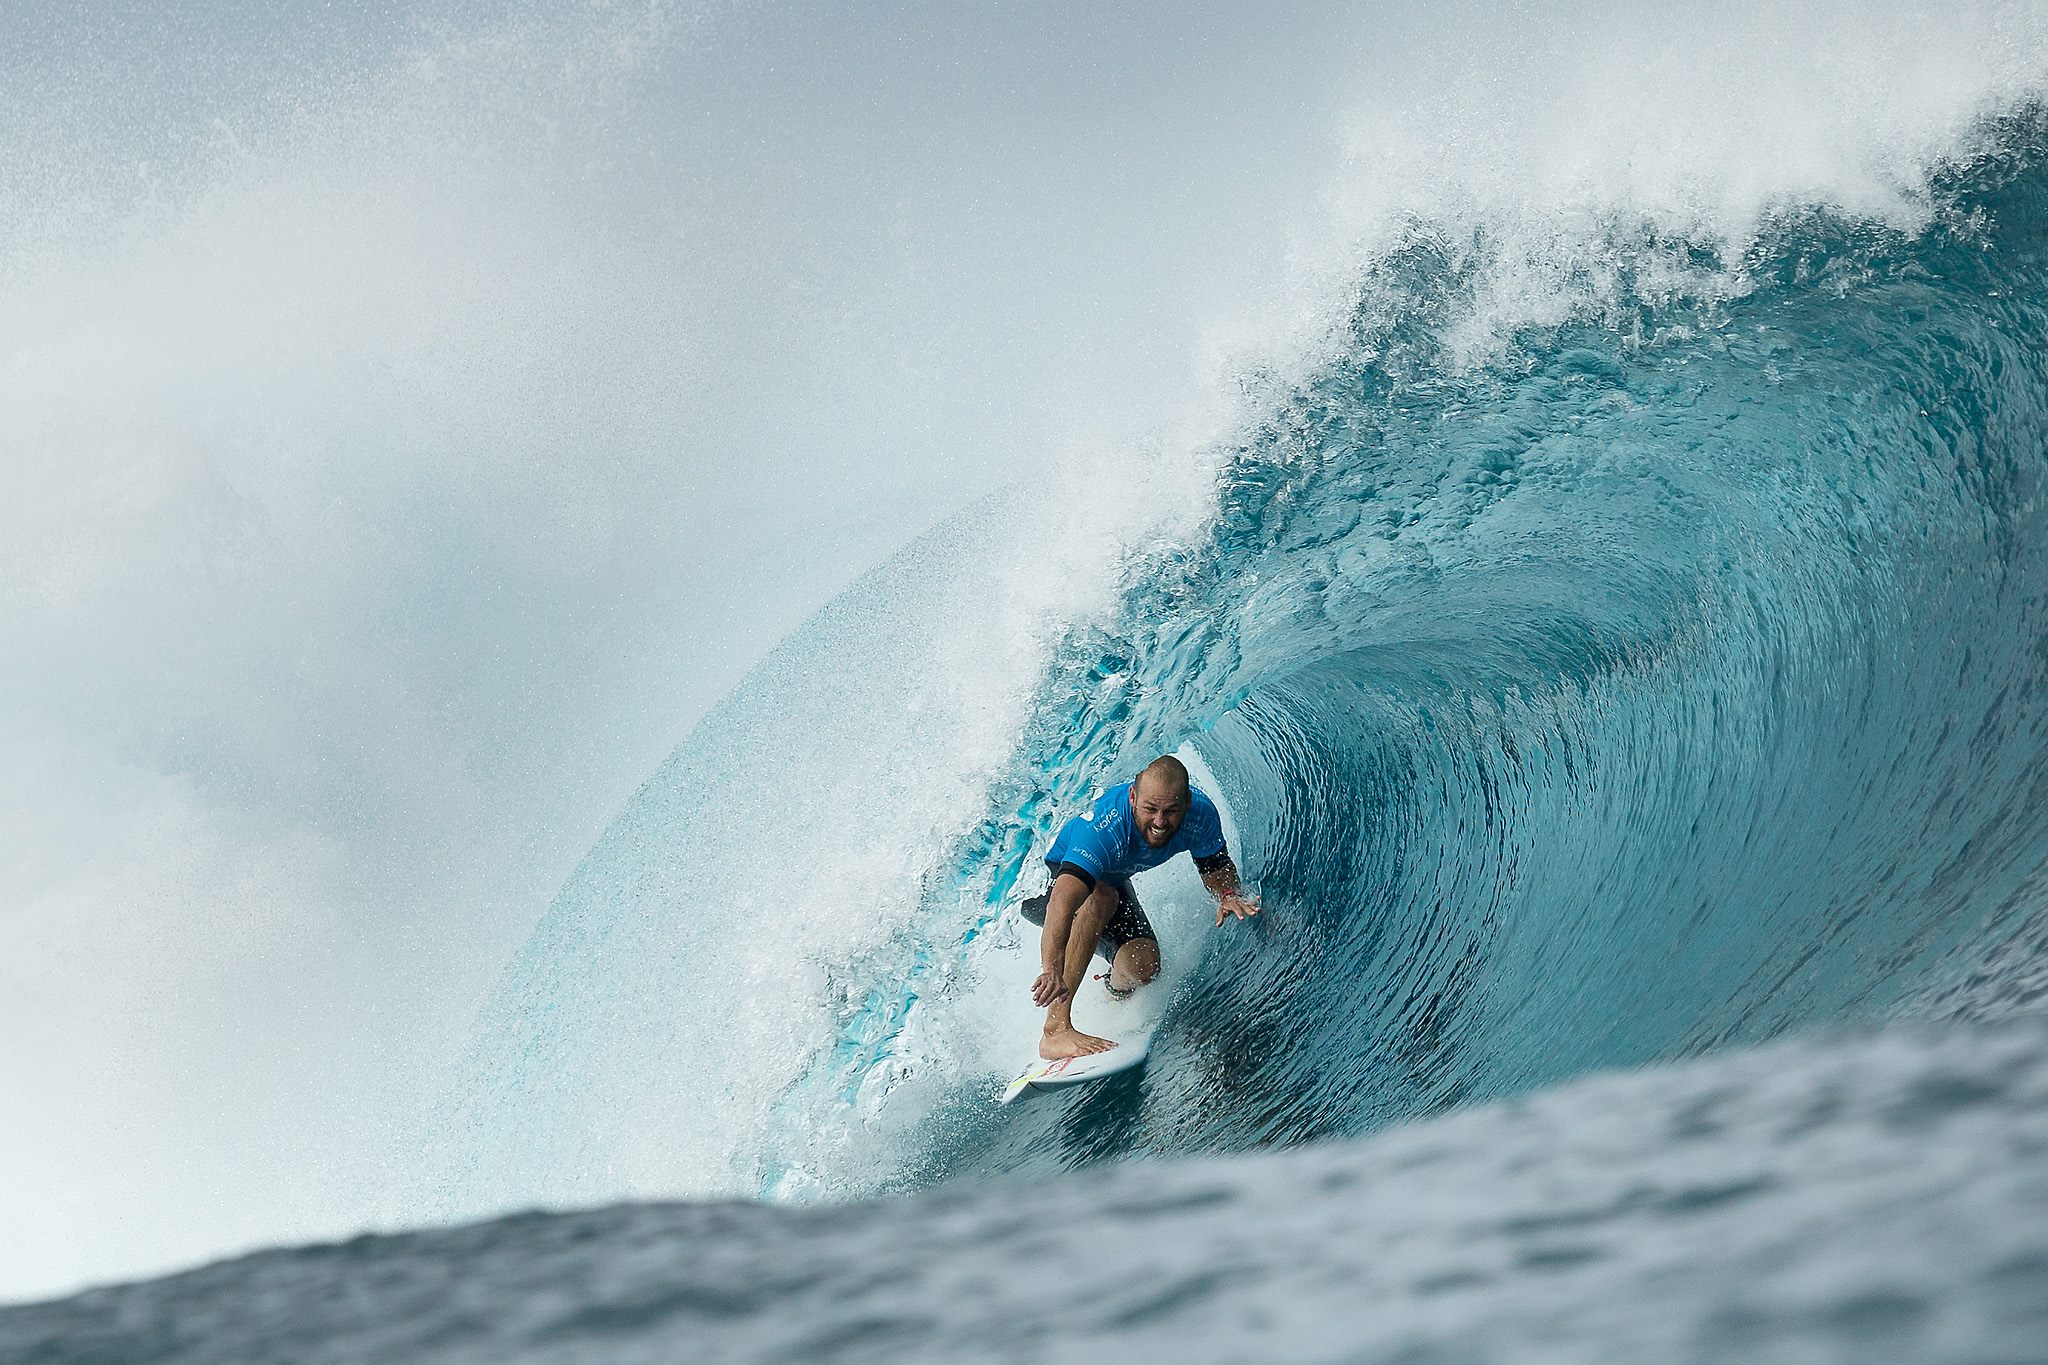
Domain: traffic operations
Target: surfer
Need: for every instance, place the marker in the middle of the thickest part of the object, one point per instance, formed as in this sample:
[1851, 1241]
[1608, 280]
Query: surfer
[1090, 907]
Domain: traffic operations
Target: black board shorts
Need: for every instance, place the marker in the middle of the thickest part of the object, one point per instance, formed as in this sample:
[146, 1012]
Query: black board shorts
[1126, 924]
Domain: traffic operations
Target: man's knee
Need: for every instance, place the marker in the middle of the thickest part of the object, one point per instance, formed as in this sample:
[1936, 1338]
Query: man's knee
[1139, 959]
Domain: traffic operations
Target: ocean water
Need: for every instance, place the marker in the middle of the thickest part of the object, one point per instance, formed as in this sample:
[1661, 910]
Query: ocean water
[1604, 586]
[1856, 1199]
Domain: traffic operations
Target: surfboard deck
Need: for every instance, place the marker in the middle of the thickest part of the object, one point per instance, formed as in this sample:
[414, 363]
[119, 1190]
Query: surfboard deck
[1052, 1075]
[1127, 1023]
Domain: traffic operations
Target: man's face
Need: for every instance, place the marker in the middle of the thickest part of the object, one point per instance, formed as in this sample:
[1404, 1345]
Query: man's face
[1159, 809]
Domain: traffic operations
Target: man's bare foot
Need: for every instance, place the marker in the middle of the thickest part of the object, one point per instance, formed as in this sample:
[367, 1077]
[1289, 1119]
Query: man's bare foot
[1071, 1042]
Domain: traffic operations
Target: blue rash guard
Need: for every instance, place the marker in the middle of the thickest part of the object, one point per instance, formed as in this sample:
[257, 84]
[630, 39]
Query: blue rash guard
[1105, 842]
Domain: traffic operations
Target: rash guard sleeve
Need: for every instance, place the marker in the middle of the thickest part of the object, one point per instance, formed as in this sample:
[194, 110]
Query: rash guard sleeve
[1082, 849]
[1066, 869]
[1083, 857]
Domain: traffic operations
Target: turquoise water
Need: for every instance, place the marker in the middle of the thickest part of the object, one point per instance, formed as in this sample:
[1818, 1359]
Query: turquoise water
[1667, 681]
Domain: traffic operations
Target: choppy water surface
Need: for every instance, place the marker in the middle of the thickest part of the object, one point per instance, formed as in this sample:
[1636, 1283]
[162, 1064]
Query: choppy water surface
[1876, 1199]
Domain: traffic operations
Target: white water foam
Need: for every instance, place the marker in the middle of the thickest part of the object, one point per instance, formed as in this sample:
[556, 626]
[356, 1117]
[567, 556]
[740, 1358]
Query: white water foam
[1551, 146]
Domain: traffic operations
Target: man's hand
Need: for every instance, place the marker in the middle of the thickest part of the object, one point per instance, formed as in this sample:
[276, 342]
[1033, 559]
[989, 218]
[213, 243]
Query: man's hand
[1049, 987]
[1238, 904]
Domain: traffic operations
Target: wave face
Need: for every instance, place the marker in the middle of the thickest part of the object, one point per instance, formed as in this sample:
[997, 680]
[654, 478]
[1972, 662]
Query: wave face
[1668, 679]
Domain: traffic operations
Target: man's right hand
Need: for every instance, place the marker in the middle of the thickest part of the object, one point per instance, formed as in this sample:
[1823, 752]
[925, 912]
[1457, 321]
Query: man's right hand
[1048, 988]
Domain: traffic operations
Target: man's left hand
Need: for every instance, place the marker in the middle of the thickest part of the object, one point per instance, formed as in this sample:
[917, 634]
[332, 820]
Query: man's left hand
[1238, 904]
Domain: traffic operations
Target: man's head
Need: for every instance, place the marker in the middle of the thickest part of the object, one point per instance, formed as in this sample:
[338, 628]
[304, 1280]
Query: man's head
[1160, 799]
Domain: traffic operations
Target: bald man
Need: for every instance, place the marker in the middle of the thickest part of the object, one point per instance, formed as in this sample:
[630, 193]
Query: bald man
[1090, 907]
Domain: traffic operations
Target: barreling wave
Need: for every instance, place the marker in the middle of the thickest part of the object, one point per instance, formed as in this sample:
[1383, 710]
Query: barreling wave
[1665, 678]
[1650, 671]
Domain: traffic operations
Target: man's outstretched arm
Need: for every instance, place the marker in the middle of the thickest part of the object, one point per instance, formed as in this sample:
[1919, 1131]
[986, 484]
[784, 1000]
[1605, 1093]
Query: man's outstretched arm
[1219, 874]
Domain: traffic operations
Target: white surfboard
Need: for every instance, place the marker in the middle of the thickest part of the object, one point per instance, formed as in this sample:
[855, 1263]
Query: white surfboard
[1127, 1023]
[1051, 1075]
